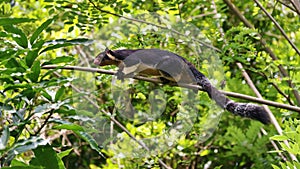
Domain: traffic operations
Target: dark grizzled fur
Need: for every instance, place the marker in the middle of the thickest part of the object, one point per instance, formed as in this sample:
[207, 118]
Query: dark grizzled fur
[242, 109]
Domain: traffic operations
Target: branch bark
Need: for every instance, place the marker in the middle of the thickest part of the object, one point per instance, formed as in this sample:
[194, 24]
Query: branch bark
[286, 4]
[296, 5]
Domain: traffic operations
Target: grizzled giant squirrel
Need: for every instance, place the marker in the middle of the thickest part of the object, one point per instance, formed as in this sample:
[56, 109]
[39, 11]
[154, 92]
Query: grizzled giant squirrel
[171, 67]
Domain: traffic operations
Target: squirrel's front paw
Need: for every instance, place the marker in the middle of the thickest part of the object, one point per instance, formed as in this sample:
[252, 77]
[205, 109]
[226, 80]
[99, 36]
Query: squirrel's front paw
[120, 75]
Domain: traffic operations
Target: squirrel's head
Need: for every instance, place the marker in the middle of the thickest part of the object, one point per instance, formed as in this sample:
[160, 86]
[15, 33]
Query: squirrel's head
[107, 57]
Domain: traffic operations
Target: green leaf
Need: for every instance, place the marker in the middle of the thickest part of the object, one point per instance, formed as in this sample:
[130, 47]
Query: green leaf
[275, 167]
[92, 142]
[12, 21]
[283, 166]
[49, 72]
[59, 121]
[285, 147]
[23, 167]
[3, 34]
[80, 41]
[29, 93]
[289, 164]
[126, 10]
[296, 164]
[35, 71]
[56, 47]
[47, 95]
[64, 43]
[31, 56]
[21, 38]
[39, 30]
[218, 167]
[16, 86]
[47, 107]
[38, 44]
[12, 63]
[4, 138]
[59, 93]
[15, 162]
[25, 145]
[46, 157]
[63, 59]
[6, 54]
[71, 126]
[71, 28]
[66, 111]
[279, 138]
[5, 106]
[64, 153]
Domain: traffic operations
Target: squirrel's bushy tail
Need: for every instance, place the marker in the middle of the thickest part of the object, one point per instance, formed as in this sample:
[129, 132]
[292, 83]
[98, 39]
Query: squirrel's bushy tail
[249, 110]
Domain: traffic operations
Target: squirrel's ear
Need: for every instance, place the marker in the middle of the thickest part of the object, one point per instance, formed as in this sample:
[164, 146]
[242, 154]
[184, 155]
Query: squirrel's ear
[106, 50]
[110, 54]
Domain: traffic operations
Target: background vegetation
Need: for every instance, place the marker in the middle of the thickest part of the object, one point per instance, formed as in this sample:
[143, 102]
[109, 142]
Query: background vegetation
[50, 120]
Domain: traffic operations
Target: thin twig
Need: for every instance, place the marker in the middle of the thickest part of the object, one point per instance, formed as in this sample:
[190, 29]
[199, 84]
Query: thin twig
[264, 132]
[285, 3]
[44, 124]
[287, 97]
[278, 26]
[157, 81]
[201, 15]
[85, 59]
[267, 49]
[296, 5]
[272, 117]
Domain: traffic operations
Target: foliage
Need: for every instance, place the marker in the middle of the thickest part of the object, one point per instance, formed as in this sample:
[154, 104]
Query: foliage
[28, 93]
[248, 144]
[292, 135]
[63, 119]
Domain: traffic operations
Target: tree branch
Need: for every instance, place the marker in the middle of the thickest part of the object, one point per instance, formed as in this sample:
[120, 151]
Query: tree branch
[296, 5]
[44, 124]
[287, 97]
[285, 3]
[157, 81]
